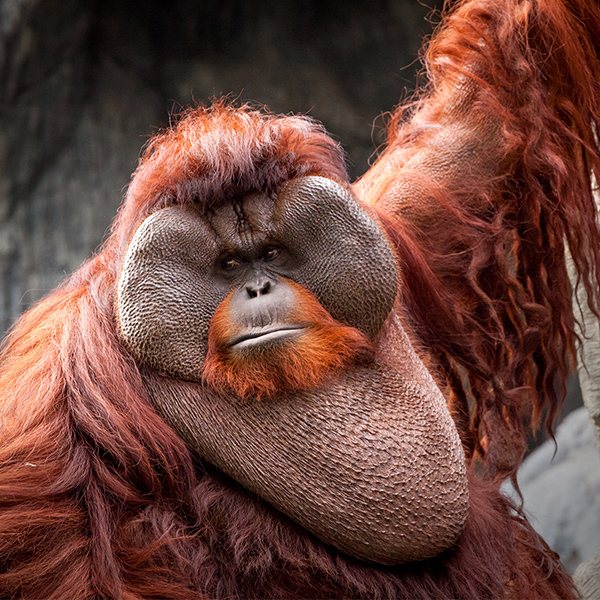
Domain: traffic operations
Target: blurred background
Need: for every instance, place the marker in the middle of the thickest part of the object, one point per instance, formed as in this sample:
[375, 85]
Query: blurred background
[84, 83]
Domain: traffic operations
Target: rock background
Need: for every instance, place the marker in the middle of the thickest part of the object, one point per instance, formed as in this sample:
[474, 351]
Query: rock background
[561, 490]
[83, 84]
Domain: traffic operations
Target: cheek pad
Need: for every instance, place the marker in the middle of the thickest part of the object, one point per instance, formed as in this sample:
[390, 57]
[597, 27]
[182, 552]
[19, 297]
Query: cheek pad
[342, 255]
[165, 297]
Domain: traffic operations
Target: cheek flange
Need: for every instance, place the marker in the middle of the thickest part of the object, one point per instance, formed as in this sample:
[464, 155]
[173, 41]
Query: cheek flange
[164, 298]
[344, 258]
[167, 293]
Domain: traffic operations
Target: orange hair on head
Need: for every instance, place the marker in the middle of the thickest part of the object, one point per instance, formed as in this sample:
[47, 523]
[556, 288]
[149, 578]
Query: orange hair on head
[323, 348]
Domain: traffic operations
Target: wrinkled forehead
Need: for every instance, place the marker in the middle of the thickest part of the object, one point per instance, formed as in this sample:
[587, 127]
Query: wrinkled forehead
[245, 222]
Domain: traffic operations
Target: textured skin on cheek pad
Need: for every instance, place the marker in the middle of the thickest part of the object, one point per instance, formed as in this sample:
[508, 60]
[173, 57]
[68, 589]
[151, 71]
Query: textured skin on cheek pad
[167, 292]
[166, 295]
[342, 254]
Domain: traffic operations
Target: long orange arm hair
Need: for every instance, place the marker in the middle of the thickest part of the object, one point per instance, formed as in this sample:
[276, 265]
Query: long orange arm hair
[487, 182]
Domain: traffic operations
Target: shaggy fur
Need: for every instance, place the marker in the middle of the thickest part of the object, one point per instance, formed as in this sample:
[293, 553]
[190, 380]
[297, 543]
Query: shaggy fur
[486, 180]
[98, 496]
[101, 499]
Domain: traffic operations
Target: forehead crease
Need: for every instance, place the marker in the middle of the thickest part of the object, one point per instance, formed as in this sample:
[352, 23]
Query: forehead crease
[244, 223]
[259, 210]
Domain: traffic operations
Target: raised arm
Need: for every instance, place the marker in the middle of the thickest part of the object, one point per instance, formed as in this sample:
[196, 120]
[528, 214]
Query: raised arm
[487, 180]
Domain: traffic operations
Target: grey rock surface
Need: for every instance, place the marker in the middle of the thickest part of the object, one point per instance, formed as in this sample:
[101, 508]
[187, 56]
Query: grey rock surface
[587, 578]
[561, 490]
[83, 85]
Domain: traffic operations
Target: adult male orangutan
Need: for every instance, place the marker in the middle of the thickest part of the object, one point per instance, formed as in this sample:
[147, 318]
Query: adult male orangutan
[271, 384]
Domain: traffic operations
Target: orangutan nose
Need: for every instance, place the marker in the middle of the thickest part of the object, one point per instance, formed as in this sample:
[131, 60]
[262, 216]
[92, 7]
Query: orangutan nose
[259, 288]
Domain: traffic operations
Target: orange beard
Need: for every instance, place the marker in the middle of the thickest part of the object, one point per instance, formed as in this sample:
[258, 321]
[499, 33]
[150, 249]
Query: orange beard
[324, 346]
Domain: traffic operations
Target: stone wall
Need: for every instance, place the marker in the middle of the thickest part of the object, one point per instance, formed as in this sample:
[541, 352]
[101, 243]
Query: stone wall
[83, 84]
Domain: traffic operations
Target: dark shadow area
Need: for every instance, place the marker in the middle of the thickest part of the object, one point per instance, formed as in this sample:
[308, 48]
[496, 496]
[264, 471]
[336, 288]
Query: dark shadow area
[83, 85]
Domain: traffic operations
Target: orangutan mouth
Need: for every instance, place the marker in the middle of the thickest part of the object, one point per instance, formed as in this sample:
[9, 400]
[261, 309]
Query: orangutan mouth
[250, 339]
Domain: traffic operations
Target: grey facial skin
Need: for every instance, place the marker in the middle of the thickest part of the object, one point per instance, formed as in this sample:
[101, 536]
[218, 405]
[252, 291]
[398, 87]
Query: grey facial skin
[370, 462]
[261, 311]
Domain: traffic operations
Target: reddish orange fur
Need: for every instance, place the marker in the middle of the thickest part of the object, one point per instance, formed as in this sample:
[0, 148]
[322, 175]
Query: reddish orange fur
[221, 152]
[485, 180]
[326, 347]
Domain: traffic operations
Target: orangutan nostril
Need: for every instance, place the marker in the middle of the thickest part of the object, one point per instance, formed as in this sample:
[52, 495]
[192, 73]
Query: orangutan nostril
[261, 288]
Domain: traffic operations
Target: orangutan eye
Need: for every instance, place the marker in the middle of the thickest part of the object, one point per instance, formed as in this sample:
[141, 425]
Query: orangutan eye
[271, 252]
[230, 262]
